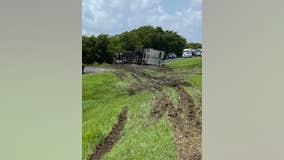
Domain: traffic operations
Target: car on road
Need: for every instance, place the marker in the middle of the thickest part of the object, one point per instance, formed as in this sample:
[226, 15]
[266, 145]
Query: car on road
[171, 56]
[187, 53]
[197, 52]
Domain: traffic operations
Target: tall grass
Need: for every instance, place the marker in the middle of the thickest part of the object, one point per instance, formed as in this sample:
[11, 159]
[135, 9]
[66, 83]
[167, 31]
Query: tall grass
[105, 96]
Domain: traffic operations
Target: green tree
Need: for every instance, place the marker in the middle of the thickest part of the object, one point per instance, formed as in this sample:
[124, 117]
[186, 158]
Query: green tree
[88, 54]
[102, 50]
[130, 41]
[194, 45]
[115, 45]
[174, 42]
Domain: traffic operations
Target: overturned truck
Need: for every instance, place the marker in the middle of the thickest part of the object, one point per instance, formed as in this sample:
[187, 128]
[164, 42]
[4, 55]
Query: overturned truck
[142, 56]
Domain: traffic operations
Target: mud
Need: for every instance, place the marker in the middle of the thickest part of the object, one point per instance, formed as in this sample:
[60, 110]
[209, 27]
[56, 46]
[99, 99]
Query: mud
[137, 78]
[106, 145]
[153, 83]
[137, 88]
[161, 107]
[186, 121]
[185, 117]
[160, 69]
[121, 75]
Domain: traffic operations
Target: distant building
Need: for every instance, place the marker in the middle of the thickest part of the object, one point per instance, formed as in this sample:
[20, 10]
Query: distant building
[143, 56]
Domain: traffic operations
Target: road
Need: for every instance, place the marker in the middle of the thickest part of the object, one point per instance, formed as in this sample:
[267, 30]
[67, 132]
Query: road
[89, 70]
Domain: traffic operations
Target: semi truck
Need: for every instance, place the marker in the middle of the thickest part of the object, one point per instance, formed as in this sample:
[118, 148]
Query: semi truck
[142, 56]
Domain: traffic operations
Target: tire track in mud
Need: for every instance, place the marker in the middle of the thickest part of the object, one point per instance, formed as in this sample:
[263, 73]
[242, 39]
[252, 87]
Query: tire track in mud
[108, 142]
[186, 121]
[154, 83]
[185, 118]
[162, 106]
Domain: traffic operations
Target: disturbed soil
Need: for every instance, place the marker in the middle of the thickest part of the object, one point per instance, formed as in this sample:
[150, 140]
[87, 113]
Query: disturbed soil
[153, 83]
[107, 144]
[186, 121]
[185, 117]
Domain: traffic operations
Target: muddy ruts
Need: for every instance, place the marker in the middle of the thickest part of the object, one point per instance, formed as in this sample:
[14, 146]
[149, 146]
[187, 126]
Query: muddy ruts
[186, 122]
[153, 83]
[185, 117]
[106, 145]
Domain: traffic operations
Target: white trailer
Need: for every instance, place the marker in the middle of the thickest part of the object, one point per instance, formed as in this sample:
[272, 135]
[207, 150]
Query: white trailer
[153, 57]
[143, 56]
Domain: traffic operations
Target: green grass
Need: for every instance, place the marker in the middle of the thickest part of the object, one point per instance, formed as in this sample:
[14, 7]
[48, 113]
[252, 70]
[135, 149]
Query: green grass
[105, 96]
[188, 63]
[190, 69]
[98, 65]
[141, 141]
[103, 100]
[172, 94]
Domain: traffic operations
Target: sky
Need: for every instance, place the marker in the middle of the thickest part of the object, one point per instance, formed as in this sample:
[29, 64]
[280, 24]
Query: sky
[117, 16]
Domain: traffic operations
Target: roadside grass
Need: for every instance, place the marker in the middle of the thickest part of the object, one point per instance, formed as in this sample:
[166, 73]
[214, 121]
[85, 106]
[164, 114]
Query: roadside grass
[172, 94]
[104, 97]
[103, 100]
[98, 65]
[155, 73]
[194, 62]
[140, 141]
[190, 69]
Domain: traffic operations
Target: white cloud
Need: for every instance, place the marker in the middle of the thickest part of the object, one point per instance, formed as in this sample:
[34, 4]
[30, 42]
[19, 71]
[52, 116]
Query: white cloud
[116, 16]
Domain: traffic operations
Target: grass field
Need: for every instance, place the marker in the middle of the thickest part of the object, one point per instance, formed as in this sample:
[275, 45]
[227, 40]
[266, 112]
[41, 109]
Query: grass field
[138, 89]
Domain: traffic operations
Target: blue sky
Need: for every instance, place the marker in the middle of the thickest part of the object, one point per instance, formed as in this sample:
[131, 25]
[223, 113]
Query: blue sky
[117, 16]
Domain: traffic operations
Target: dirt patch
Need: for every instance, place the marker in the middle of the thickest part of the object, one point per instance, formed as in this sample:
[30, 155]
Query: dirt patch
[186, 121]
[137, 78]
[160, 69]
[139, 87]
[161, 107]
[106, 145]
[121, 75]
[155, 85]
[152, 83]
[185, 117]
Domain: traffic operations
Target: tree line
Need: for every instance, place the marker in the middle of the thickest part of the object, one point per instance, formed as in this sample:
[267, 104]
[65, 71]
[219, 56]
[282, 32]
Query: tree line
[101, 48]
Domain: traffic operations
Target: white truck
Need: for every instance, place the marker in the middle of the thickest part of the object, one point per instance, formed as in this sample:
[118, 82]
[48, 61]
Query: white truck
[187, 53]
[153, 57]
[143, 56]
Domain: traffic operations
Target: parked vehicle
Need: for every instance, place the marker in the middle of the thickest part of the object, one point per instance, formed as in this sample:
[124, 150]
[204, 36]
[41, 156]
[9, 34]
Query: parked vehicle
[187, 53]
[171, 56]
[197, 52]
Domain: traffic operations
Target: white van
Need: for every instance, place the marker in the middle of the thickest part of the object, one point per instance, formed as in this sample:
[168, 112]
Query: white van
[187, 53]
